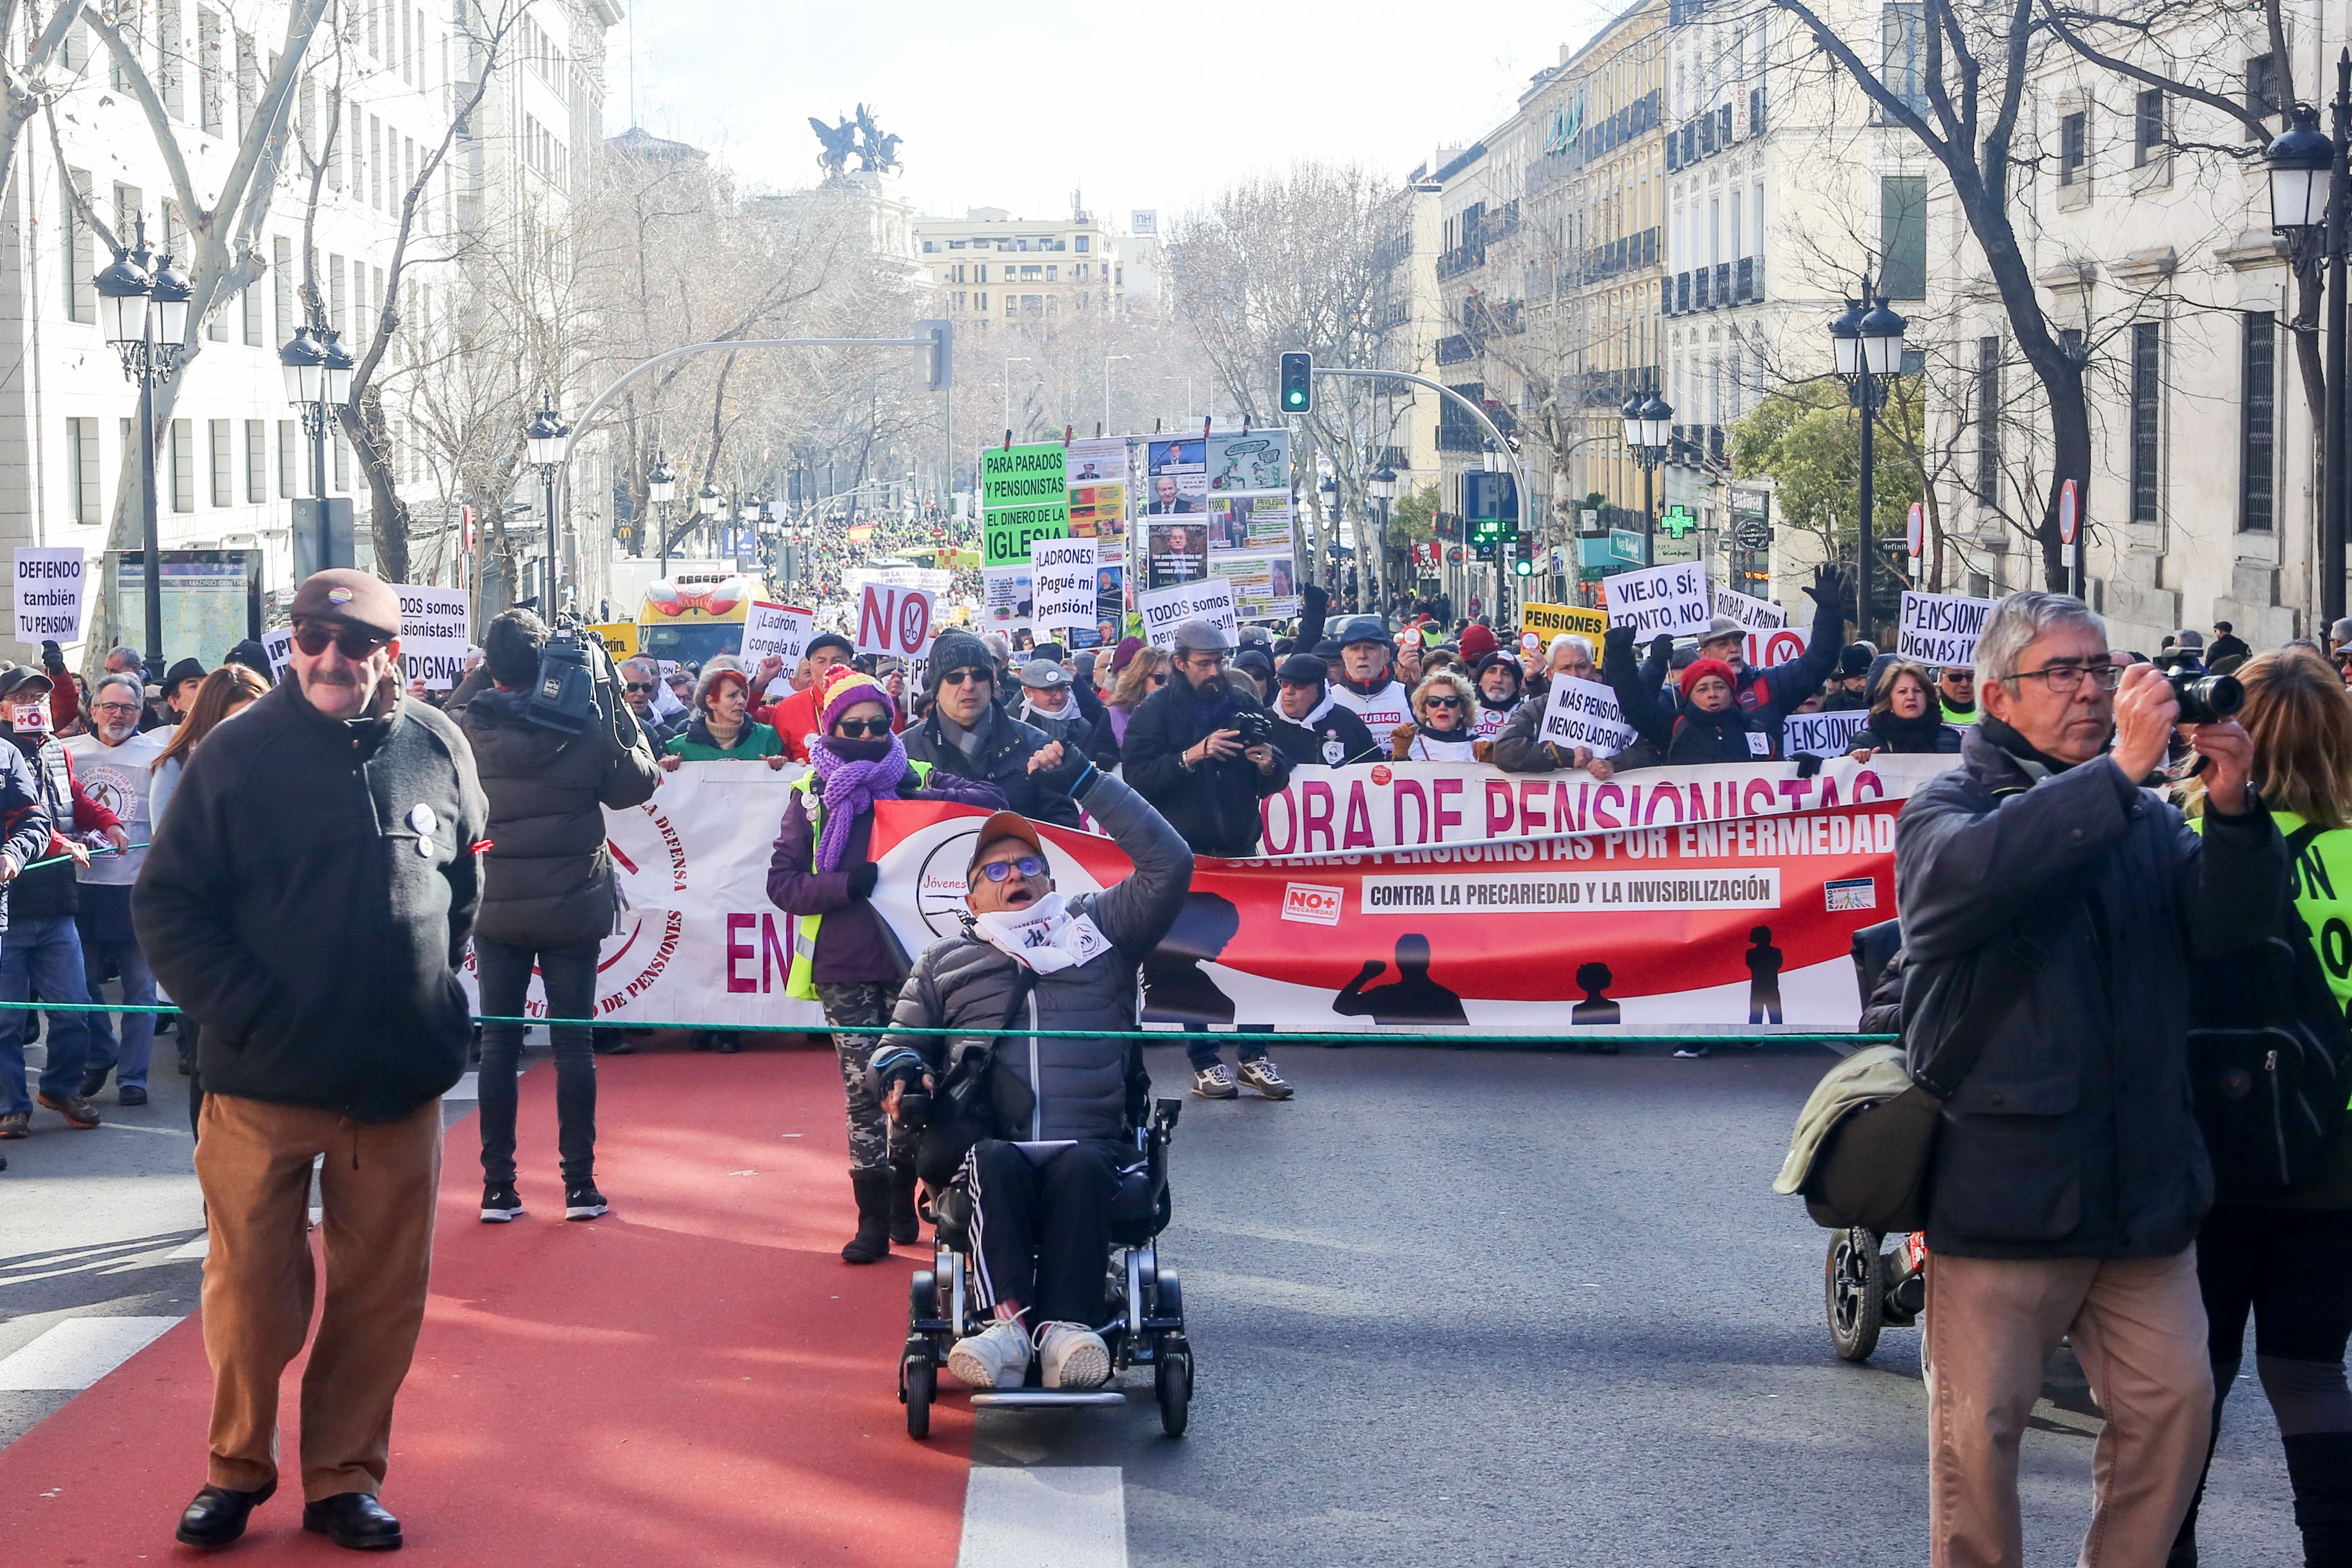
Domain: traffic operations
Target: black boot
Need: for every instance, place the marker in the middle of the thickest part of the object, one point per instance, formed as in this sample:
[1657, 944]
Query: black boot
[905, 1230]
[872, 1241]
[2319, 1464]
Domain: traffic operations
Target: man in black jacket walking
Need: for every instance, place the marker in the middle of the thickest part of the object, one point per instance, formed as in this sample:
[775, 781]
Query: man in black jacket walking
[969, 734]
[547, 893]
[307, 901]
[2069, 1175]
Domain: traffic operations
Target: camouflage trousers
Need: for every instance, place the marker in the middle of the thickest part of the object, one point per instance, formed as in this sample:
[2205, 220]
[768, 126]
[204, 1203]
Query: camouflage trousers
[864, 1001]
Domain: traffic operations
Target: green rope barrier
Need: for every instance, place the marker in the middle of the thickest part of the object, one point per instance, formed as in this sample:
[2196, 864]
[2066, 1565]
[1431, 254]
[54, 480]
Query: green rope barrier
[95, 854]
[1164, 1036]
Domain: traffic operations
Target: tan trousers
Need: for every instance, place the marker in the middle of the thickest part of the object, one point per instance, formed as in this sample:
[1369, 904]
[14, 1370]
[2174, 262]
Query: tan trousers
[2138, 1327]
[377, 1188]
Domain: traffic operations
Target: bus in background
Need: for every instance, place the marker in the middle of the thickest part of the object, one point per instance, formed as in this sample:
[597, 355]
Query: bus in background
[696, 612]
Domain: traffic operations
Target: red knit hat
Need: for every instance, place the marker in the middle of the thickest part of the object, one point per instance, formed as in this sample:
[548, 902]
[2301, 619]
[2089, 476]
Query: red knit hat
[1703, 667]
[1477, 642]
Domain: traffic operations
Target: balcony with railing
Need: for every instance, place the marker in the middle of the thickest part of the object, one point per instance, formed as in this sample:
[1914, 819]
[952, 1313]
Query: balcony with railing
[1460, 260]
[1456, 350]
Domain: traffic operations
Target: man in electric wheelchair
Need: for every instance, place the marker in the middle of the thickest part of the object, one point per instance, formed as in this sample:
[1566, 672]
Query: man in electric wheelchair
[1025, 1137]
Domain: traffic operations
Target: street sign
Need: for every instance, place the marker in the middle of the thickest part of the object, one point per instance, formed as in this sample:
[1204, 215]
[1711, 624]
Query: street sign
[1915, 530]
[2070, 521]
[1624, 544]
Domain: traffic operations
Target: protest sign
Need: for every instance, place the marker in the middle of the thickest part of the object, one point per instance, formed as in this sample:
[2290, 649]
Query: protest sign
[1248, 461]
[1819, 735]
[1939, 629]
[1164, 608]
[1176, 551]
[1063, 571]
[1023, 496]
[50, 597]
[1547, 621]
[1752, 614]
[433, 639]
[1266, 582]
[1585, 713]
[1670, 601]
[1778, 646]
[779, 631]
[1097, 482]
[1007, 595]
[895, 621]
[279, 646]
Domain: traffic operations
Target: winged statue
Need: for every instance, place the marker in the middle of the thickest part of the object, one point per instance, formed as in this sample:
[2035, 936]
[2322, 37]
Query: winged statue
[839, 141]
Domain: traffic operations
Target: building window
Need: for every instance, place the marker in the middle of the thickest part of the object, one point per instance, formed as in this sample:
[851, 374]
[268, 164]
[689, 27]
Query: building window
[1902, 32]
[2262, 85]
[257, 460]
[2257, 423]
[2148, 128]
[281, 268]
[2073, 147]
[223, 471]
[342, 460]
[81, 468]
[248, 305]
[209, 97]
[82, 256]
[1903, 235]
[183, 459]
[290, 459]
[2147, 408]
[335, 295]
[1988, 420]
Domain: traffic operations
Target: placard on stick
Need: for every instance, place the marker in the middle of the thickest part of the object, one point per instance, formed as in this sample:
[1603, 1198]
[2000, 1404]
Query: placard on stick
[1940, 629]
[1062, 573]
[51, 595]
[1585, 713]
[1670, 601]
[779, 631]
[433, 639]
[895, 621]
[1164, 609]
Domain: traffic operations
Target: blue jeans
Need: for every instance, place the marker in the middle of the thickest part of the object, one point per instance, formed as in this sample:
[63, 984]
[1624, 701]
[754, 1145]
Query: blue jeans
[102, 961]
[42, 956]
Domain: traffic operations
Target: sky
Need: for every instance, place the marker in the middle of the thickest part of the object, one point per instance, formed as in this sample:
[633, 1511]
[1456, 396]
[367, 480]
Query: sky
[1017, 105]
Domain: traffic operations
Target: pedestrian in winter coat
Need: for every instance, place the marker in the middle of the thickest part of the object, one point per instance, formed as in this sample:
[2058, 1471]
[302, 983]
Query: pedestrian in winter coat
[2068, 1175]
[1042, 1219]
[1049, 704]
[844, 957]
[1905, 719]
[794, 717]
[1185, 752]
[723, 730]
[115, 764]
[1768, 696]
[1709, 726]
[1309, 726]
[548, 895]
[1850, 687]
[308, 900]
[1145, 672]
[24, 839]
[1516, 750]
[968, 733]
[1441, 731]
[642, 688]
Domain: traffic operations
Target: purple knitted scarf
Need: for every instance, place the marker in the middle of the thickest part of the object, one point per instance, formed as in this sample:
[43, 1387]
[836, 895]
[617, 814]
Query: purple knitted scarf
[852, 785]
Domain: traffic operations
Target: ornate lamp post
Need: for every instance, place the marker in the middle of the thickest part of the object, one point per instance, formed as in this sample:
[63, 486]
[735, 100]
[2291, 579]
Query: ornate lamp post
[661, 485]
[1649, 428]
[2309, 194]
[1869, 346]
[144, 305]
[546, 436]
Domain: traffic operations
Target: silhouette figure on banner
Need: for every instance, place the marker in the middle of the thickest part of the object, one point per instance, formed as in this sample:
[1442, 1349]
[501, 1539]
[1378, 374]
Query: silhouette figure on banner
[1412, 997]
[1176, 989]
[1593, 979]
[1763, 977]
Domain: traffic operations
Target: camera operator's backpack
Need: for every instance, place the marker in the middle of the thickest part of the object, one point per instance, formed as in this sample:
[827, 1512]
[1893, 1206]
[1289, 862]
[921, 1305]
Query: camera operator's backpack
[2270, 1058]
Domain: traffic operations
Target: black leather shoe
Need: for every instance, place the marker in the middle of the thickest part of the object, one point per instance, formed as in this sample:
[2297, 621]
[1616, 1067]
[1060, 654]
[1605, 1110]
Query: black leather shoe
[131, 1094]
[354, 1519]
[218, 1515]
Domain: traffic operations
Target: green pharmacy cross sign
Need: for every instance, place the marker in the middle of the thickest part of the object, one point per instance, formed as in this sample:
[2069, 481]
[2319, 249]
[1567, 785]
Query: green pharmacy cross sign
[1677, 520]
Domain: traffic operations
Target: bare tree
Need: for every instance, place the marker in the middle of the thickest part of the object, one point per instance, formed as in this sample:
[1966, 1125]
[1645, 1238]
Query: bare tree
[30, 85]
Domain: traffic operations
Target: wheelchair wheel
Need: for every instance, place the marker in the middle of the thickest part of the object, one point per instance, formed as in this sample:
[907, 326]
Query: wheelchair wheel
[1172, 1380]
[1853, 1293]
[918, 1382]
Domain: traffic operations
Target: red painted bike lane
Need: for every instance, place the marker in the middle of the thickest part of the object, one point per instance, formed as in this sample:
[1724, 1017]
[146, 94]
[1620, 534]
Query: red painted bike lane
[695, 1379]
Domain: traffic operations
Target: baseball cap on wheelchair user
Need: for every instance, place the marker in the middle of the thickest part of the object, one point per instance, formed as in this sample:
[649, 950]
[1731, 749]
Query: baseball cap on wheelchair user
[999, 827]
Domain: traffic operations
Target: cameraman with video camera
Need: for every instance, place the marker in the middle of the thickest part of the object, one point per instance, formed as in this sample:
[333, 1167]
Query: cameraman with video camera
[1202, 749]
[557, 743]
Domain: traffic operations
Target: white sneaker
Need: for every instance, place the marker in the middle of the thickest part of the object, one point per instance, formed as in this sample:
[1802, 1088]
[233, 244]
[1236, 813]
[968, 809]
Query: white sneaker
[1073, 1356]
[1690, 1053]
[996, 1357]
[1215, 1082]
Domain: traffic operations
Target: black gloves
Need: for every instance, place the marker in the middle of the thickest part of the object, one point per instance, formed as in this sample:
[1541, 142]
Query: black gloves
[1662, 648]
[1833, 590]
[1617, 640]
[1314, 599]
[52, 656]
[862, 881]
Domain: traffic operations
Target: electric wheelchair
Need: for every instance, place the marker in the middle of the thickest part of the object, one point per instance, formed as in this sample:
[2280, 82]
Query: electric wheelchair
[1146, 1301]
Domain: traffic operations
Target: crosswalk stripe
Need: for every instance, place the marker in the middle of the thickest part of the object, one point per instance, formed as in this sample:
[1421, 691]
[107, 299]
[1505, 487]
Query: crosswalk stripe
[1053, 1517]
[78, 1351]
[467, 1087]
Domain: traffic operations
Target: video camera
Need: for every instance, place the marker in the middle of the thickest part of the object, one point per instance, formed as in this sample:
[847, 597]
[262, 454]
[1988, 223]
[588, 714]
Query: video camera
[571, 666]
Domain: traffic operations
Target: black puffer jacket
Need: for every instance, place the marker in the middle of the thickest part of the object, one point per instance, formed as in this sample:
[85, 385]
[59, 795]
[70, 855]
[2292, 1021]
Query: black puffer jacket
[1004, 763]
[2072, 1136]
[1213, 806]
[1703, 737]
[1043, 1085]
[288, 908]
[547, 880]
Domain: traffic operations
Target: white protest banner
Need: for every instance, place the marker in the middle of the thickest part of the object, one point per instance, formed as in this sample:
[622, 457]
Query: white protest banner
[1778, 646]
[1585, 713]
[1163, 609]
[1061, 572]
[1007, 595]
[1670, 601]
[895, 621]
[280, 646]
[51, 603]
[780, 631]
[1819, 735]
[1753, 614]
[1939, 629]
[433, 635]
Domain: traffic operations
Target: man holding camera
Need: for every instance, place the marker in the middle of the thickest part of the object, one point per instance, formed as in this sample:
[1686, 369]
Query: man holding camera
[1036, 1123]
[1201, 751]
[2068, 1175]
[547, 888]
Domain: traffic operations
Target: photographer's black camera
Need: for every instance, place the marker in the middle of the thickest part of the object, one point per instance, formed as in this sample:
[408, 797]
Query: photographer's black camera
[1256, 729]
[2204, 698]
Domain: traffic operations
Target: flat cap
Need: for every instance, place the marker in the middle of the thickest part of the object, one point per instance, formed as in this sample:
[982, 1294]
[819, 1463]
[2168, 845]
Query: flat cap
[1364, 628]
[1302, 670]
[1200, 635]
[1722, 627]
[1043, 675]
[355, 598]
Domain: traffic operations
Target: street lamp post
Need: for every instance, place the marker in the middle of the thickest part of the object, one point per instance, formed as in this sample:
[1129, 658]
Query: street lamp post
[546, 436]
[2310, 193]
[706, 505]
[304, 362]
[661, 485]
[1868, 338]
[145, 306]
[1649, 427]
[1384, 487]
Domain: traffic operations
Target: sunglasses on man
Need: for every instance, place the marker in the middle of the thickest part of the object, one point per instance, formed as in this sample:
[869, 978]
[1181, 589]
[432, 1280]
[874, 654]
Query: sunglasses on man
[998, 870]
[972, 675]
[643, 686]
[857, 729]
[351, 642]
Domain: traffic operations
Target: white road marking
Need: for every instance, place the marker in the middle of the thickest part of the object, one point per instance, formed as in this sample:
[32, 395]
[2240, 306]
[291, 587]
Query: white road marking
[1055, 1517]
[200, 1248]
[78, 1351]
[467, 1087]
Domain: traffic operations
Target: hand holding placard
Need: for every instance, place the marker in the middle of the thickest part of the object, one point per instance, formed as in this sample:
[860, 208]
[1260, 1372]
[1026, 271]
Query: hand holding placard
[1585, 713]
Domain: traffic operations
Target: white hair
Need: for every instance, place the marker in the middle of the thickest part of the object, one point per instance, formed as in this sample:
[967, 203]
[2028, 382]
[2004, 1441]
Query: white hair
[1568, 639]
[2023, 619]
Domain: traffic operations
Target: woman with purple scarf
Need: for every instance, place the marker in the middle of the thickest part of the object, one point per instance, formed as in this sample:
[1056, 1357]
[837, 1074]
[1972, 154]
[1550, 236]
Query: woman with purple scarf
[843, 955]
